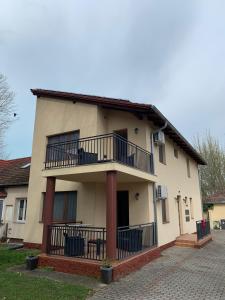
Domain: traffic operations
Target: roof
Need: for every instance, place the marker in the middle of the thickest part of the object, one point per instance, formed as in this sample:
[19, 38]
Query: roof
[140, 109]
[217, 198]
[14, 173]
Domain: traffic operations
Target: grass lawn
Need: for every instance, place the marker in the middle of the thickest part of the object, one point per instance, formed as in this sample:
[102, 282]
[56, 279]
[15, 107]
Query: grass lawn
[22, 287]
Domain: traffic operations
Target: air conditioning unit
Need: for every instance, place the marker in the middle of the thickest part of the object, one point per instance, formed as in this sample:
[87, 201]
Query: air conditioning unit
[159, 137]
[161, 192]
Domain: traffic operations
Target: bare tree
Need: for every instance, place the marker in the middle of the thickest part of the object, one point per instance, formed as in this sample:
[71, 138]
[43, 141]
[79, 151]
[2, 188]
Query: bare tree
[212, 176]
[6, 110]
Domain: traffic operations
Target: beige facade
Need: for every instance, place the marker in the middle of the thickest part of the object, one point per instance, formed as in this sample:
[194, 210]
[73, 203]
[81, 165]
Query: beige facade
[54, 116]
[15, 227]
[216, 213]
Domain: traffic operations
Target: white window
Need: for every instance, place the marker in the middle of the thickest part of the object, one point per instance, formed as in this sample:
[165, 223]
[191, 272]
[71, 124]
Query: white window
[1, 210]
[21, 209]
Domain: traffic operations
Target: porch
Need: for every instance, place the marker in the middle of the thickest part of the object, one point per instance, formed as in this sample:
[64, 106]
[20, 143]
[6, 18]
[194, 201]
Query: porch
[87, 242]
[198, 239]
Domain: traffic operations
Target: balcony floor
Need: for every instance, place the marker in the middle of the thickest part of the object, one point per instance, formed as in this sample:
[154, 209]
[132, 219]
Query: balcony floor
[97, 173]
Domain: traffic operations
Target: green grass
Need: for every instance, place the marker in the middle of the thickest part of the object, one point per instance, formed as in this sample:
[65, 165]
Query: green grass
[18, 286]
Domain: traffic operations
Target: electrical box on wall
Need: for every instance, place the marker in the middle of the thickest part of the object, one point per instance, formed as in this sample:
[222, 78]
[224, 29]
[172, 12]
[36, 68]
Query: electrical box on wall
[159, 137]
[161, 192]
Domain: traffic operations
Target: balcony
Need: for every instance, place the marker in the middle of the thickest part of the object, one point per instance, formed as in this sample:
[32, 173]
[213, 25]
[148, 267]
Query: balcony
[99, 149]
[88, 242]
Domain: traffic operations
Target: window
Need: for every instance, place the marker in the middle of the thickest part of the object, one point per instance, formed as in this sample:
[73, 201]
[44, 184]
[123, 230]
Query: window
[65, 207]
[187, 215]
[1, 210]
[162, 153]
[176, 152]
[188, 167]
[21, 210]
[60, 152]
[165, 211]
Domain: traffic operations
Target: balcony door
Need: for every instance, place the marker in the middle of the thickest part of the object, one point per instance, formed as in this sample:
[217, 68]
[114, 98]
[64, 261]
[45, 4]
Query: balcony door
[122, 209]
[121, 145]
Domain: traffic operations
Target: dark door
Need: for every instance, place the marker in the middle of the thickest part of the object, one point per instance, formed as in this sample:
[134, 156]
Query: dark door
[121, 145]
[122, 208]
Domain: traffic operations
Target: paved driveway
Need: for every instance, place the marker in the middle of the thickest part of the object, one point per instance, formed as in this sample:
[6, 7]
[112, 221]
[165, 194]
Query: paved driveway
[181, 273]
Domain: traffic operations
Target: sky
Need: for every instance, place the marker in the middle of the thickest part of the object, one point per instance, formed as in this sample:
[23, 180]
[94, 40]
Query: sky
[167, 53]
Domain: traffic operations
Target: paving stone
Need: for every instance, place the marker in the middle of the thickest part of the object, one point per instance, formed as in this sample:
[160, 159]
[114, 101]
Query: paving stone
[181, 273]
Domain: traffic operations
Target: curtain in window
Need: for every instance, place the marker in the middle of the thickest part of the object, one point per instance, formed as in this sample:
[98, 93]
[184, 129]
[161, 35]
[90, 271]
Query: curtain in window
[71, 206]
[65, 207]
[64, 150]
[58, 211]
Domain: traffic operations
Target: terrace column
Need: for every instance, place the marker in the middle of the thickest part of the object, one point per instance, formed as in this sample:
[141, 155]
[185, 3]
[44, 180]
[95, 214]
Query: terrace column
[48, 212]
[111, 214]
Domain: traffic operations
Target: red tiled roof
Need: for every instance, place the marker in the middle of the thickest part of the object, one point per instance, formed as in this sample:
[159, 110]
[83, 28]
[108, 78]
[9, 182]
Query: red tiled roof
[12, 173]
[216, 198]
[149, 110]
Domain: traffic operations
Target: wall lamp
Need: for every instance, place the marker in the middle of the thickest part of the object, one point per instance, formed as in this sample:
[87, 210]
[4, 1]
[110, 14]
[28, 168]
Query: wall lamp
[137, 196]
[136, 130]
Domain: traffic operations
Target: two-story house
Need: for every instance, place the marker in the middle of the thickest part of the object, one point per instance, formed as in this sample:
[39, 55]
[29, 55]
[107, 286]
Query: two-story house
[14, 178]
[109, 179]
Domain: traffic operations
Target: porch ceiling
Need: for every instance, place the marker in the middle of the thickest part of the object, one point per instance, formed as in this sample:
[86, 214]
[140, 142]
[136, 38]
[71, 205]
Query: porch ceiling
[97, 173]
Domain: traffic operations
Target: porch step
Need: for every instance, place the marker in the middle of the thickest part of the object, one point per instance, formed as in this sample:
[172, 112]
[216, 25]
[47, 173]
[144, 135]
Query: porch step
[191, 241]
[185, 244]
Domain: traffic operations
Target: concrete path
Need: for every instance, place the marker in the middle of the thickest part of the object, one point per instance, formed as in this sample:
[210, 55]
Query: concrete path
[181, 273]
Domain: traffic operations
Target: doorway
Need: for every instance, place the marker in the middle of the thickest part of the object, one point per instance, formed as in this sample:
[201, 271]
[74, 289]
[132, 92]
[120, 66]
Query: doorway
[180, 218]
[122, 209]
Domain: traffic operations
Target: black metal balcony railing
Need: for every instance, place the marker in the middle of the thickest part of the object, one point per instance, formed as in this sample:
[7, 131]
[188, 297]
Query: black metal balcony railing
[202, 228]
[88, 242]
[135, 239]
[77, 241]
[98, 149]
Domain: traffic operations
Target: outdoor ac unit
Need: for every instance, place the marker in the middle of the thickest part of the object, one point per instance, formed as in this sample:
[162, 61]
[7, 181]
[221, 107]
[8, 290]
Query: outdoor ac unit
[159, 137]
[161, 192]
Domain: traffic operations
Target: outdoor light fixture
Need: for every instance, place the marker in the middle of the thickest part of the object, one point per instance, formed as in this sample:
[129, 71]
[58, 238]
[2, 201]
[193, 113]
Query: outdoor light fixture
[137, 196]
[136, 130]
[185, 200]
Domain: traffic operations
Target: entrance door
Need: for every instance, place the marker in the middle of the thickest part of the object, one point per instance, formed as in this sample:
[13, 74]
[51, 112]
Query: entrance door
[121, 145]
[122, 209]
[179, 208]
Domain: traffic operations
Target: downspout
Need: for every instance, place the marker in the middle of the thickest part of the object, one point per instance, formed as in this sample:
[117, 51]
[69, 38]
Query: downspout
[154, 184]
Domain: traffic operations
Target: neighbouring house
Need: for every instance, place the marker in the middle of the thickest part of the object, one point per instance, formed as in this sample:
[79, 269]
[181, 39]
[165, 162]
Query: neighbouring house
[214, 210]
[109, 179]
[14, 178]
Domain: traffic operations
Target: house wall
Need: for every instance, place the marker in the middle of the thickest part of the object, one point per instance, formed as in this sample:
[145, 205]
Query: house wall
[216, 213]
[173, 174]
[57, 116]
[16, 228]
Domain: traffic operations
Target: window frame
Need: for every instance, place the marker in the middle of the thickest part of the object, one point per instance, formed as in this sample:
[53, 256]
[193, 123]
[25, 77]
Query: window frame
[162, 153]
[2, 213]
[176, 152]
[188, 167]
[165, 211]
[65, 206]
[24, 214]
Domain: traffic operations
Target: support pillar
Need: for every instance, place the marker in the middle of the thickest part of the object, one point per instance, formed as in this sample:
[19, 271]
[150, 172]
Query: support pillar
[111, 214]
[48, 212]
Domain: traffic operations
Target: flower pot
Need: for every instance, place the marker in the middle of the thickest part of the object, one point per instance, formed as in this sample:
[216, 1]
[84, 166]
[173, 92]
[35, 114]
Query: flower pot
[31, 262]
[106, 274]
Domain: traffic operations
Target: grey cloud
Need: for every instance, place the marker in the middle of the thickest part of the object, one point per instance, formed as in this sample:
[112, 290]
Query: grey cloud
[169, 53]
